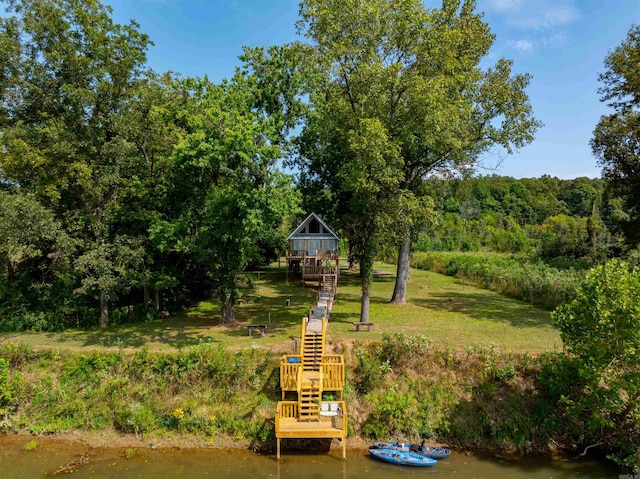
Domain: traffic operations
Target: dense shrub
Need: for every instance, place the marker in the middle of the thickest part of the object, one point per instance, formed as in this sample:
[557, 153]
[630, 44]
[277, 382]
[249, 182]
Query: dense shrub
[601, 332]
[204, 391]
[535, 282]
[399, 388]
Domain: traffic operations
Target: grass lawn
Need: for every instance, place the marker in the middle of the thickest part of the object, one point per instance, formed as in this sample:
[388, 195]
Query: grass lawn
[439, 307]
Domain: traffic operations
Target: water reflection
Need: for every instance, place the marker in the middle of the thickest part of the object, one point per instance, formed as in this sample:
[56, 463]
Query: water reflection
[17, 463]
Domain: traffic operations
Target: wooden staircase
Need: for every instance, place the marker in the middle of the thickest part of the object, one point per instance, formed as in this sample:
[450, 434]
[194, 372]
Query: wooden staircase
[312, 351]
[310, 385]
[309, 374]
[309, 398]
[329, 284]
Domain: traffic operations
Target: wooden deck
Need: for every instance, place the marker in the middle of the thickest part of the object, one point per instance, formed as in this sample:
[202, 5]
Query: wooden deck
[309, 374]
[323, 428]
[326, 427]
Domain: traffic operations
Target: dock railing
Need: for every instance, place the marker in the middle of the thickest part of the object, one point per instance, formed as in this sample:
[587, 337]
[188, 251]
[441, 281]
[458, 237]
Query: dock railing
[289, 367]
[286, 409]
[333, 375]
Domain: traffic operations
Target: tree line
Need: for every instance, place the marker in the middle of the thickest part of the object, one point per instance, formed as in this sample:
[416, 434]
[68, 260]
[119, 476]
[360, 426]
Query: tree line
[119, 185]
[548, 218]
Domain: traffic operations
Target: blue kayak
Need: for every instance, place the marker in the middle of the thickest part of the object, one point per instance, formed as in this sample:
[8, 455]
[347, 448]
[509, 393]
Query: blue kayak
[402, 458]
[429, 451]
[396, 446]
[432, 452]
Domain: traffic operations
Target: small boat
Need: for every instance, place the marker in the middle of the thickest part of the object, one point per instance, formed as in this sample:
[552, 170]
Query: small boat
[429, 451]
[402, 458]
[396, 446]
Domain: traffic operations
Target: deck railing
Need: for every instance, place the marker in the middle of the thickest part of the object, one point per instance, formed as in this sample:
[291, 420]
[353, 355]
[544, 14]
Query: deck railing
[289, 367]
[332, 369]
[295, 253]
[326, 255]
[318, 270]
[286, 409]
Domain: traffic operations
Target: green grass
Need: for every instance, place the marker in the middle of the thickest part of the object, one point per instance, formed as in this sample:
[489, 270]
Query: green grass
[447, 311]
[439, 307]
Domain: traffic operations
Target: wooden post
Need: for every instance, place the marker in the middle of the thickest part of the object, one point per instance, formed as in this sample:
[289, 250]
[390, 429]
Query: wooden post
[278, 448]
[344, 448]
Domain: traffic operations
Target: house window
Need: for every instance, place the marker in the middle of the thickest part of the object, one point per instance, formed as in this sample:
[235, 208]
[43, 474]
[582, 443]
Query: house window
[314, 226]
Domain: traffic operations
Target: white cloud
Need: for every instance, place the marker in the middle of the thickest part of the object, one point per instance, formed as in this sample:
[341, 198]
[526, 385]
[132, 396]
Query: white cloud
[555, 40]
[523, 46]
[533, 14]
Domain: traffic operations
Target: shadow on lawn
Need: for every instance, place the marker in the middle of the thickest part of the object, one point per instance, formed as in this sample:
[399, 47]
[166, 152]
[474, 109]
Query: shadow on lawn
[260, 309]
[190, 327]
[487, 307]
[177, 333]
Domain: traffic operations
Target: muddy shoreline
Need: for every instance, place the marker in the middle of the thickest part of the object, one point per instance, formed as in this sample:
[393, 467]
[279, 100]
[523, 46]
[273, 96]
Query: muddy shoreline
[116, 440]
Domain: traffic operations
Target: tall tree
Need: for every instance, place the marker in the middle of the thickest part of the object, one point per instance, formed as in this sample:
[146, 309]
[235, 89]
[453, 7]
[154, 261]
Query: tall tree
[68, 74]
[416, 72]
[232, 136]
[616, 139]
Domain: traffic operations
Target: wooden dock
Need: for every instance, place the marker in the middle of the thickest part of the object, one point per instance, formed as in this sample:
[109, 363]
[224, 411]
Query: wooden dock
[307, 376]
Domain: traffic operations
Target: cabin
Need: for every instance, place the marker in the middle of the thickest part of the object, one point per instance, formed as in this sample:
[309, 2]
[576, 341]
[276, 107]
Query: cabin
[313, 253]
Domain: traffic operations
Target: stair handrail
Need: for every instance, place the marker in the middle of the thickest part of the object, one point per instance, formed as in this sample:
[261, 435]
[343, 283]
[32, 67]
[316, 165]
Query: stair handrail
[305, 320]
[299, 381]
[299, 390]
[324, 329]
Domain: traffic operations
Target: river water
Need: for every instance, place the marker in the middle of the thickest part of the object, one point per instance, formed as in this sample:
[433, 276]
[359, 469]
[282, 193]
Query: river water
[17, 462]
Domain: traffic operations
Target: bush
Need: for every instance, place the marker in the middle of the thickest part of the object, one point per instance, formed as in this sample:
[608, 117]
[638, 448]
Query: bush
[601, 332]
[535, 282]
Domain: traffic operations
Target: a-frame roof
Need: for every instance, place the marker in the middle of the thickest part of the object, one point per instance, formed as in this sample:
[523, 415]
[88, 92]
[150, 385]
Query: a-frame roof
[301, 228]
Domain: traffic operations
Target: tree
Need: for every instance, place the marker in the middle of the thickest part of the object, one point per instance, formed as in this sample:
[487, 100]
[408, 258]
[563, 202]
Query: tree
[601, 333]
[417, 73]
[236, 200]
[68, 75]
[27, 230]
[616, 139]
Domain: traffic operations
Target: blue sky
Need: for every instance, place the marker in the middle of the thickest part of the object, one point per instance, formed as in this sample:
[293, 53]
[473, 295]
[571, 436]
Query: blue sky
[561, 43]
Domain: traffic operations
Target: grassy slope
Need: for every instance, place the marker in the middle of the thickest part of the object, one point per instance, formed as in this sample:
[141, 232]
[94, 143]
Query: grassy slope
[442, 308]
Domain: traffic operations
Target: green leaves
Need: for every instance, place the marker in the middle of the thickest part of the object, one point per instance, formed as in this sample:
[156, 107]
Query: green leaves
[616, 138]
[602, 325]
[601, 332]
[403, 97]
[622, 78]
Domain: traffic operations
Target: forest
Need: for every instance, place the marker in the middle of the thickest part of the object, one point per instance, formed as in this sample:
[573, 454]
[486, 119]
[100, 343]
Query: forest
[126, 193]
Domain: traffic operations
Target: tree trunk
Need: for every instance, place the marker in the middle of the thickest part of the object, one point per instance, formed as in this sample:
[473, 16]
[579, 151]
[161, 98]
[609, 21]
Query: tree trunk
[352, 259]
[146, 296]
[364, 308]
[402, 272]
[157, 299]
[228, 313]
[10, 272]
[366, 275]
[104, 310]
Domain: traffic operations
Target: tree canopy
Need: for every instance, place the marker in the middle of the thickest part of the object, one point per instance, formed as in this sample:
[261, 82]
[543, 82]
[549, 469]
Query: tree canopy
[410, 76]
[130, 181]
[616, 138]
